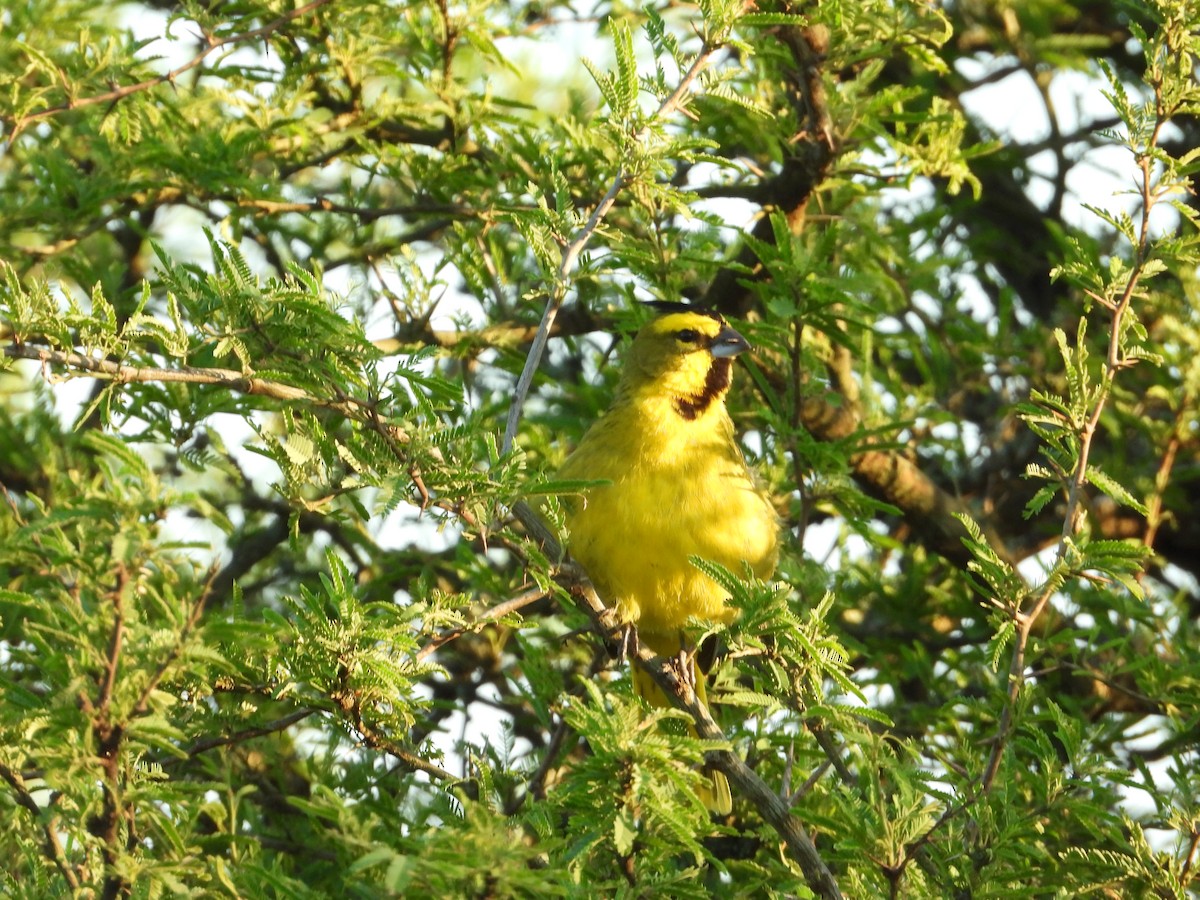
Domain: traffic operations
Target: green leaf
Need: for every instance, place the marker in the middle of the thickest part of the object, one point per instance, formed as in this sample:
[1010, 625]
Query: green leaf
[1114, 489]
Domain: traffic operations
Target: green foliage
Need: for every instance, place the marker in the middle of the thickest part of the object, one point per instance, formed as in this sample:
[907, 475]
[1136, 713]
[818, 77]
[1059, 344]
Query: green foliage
[268, 273]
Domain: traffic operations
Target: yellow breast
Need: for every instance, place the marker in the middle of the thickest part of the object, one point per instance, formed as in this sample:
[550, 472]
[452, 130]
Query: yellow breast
[679, 489]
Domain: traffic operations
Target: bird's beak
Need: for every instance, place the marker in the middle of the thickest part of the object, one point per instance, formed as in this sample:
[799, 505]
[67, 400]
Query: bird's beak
[728, 343]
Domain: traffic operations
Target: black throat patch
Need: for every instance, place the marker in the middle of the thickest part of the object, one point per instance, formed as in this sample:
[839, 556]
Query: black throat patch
[716, 382]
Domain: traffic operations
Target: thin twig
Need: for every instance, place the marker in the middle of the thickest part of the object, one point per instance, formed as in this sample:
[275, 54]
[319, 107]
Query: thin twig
[1162, 478]
[116, 643]
[227, 378]
[1185, 873]
[109, 737]
[773, 808]
[54, 847]
[143, 704]
[490, 615]
[533, 360]
[1027, 614]
[1073, 514]
[363, 213]
[117, 94]
[376, 741]
[237, 737]
[572, 251]
[832, 752]
[809, 783]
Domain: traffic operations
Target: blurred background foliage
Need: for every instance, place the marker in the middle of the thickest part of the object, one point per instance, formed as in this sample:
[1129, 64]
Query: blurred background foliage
[268, 274]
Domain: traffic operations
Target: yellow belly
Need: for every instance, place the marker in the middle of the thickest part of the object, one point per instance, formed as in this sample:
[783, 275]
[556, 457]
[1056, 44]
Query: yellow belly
[665, 505]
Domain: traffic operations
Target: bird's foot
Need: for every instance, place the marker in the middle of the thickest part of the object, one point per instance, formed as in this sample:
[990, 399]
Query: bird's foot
[629, 645]
[685, 664]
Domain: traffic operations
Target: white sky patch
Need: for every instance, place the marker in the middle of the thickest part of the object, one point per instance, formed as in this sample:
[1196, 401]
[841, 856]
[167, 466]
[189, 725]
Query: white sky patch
[877, 695]
[1034, 568]
[1011, 106]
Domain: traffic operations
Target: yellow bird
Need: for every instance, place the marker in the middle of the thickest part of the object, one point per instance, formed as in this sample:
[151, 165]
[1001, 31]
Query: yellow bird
[679, 488]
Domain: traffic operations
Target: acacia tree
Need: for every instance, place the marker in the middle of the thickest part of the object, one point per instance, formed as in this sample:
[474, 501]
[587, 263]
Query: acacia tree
[303, 304]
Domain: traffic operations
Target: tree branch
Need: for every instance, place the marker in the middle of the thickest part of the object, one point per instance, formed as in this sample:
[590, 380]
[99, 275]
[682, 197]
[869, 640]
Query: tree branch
[50, 839]
[237, 737]
[230, 379]
[1026, 613]
[803, 169]
[772, 807]
[117, 94]
[499, 611]
[571, 252]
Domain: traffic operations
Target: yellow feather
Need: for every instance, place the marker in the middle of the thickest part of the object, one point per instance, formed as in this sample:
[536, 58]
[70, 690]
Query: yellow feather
[679, 488]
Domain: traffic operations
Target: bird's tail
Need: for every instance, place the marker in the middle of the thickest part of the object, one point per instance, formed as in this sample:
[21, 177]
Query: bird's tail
[715, 795]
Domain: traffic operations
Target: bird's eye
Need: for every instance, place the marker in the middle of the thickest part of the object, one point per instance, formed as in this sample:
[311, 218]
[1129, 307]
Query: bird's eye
[688, 335]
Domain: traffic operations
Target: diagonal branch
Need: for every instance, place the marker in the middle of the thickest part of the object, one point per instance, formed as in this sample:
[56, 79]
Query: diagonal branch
[803, 170]
[748, 783]
[237, 737]
[1035, 603]
[212, 44]
[1074, 515]
[230, 379]
[499, 611]
[571, 252]
[51, 841]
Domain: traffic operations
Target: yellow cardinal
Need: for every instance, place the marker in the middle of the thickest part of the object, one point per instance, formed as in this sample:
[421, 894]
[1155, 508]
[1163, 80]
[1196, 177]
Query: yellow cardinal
[679, 488]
